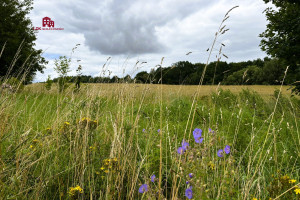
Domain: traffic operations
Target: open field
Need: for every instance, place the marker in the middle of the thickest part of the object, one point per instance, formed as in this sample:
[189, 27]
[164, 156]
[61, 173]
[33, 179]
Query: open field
[107, 141]
[177, 90]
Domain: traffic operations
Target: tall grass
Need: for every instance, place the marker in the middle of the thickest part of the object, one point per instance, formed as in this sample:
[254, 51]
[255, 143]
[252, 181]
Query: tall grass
[42, 163]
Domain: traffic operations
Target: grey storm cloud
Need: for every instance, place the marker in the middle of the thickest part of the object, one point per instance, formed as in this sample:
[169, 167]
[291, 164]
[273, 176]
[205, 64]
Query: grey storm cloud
[117, 27]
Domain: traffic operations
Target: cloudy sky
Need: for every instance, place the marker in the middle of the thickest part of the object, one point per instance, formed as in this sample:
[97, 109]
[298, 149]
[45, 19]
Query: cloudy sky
[122, 32]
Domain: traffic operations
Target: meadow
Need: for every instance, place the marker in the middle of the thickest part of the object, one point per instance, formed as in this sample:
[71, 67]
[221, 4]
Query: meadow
[144, 141]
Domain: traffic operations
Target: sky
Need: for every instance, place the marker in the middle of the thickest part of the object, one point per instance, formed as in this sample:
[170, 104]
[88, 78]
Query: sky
[120, 37]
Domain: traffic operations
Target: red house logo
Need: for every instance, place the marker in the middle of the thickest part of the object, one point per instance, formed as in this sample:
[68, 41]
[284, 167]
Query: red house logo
[48, 25]
[48, 22]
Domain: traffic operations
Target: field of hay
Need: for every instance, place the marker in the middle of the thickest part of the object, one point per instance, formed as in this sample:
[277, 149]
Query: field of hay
[108, 89]
[134, 141]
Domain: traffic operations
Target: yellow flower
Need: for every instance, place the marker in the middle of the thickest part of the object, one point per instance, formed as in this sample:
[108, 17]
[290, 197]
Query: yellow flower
[102, 168]
[31, 146]
[106, 171]
[285, 177]
[67, 123]
[211, 165]
[297, 191]
[254, 199]
[78, 188]
[75, 190]
[92, 148]
[292, 181]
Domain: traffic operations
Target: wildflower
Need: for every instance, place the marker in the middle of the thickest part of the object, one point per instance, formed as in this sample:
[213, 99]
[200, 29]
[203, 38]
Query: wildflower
[180, 150]
[199, 140]
[297, 191]
[92, 148]
[143, 188]
[197, 133]
[285, 177]
[254, 198]
[144, 130]
[153, 178]
[189, 193]
[67, 124]
[73, 191]
[191, 175]
[227, 149]
[211, 165]
[102, 168]
[187, 182]
[158, 130]
[34, 144]
[184, 144]
[220, 153]
[211, 131]
[292, 181]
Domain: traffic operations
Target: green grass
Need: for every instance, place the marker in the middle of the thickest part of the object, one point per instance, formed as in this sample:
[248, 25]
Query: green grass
[262, 130]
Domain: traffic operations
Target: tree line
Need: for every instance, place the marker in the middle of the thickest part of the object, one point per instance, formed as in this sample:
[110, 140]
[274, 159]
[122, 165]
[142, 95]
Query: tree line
[265, 71]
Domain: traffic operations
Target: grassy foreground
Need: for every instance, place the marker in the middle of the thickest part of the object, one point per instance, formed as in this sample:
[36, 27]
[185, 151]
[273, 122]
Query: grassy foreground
[108, 140]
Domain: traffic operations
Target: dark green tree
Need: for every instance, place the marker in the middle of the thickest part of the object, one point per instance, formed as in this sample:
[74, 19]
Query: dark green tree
[282, 36]
[17, 38]
[142, 77]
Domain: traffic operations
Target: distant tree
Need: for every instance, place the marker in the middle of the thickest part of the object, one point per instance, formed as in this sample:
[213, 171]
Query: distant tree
[78, 78]
[142, 77]
[247, 76]
[114, 79]
[127, 79]
[273, 72]
[48, 84]
[19, 58]
[62, 67]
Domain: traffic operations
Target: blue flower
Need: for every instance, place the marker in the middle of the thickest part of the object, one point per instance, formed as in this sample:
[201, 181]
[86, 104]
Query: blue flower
[180, 150]
[220, 153]
[197, 133]
[187, 182]
[184, 144]
[189, 193]
[153, 178]
[158, 130]
[144, 130]
[143, 188]
[211, 131]
[199, 140]
[227, 149]
[191, 175]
